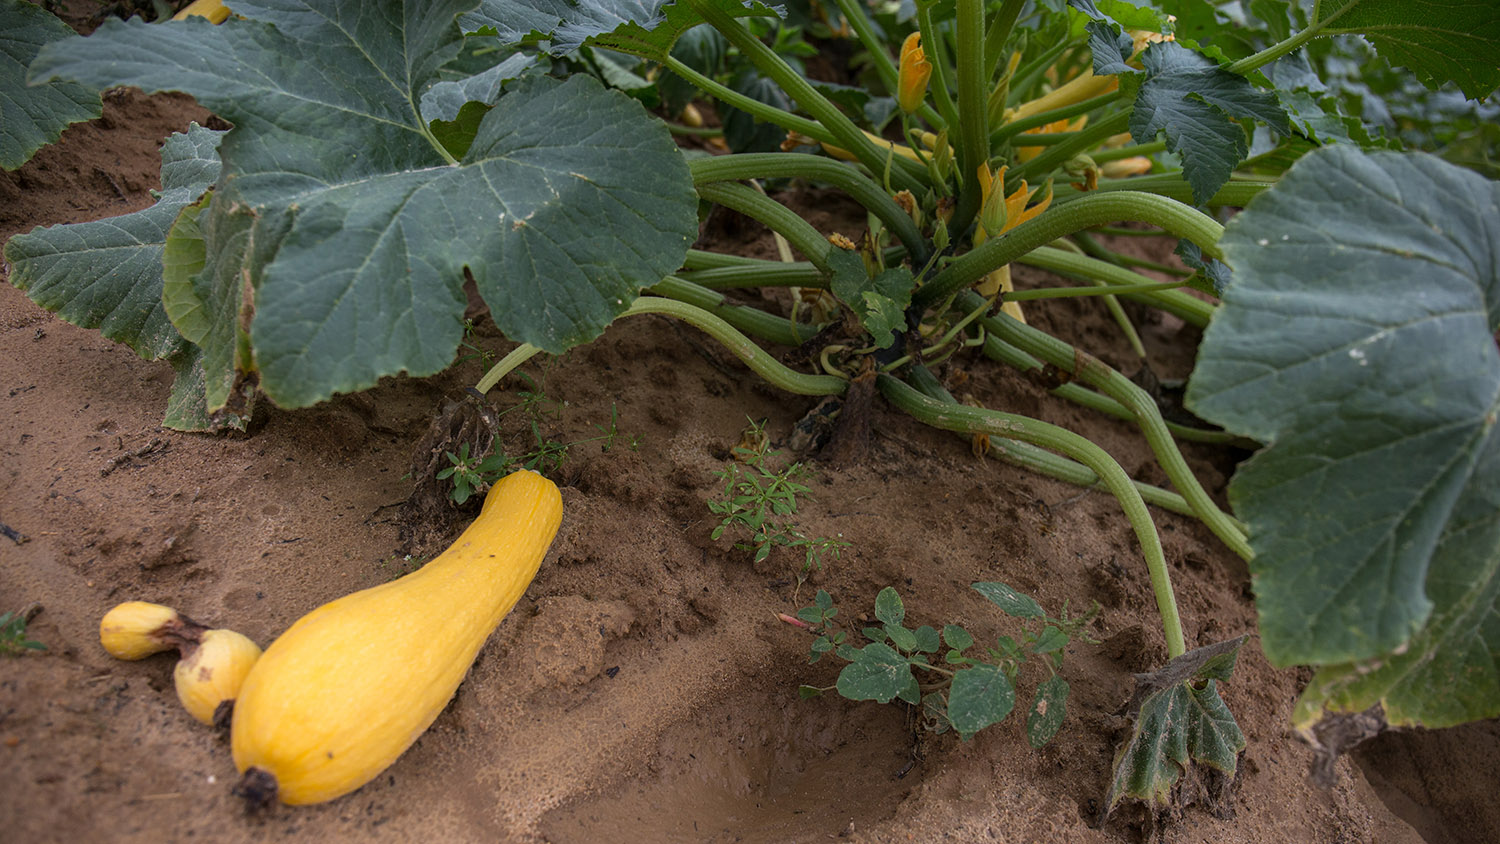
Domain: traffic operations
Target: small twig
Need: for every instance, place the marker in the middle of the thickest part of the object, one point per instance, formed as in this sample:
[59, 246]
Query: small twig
[122, 459]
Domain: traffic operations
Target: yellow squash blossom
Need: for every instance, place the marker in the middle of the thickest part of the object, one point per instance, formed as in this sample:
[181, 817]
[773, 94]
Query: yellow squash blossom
[998, 216]
[913, 74]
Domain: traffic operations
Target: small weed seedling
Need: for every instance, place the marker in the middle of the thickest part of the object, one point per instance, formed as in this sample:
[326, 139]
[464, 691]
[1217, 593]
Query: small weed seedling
[13, 641]
[762, 500]
[473, 474]
[969, 688]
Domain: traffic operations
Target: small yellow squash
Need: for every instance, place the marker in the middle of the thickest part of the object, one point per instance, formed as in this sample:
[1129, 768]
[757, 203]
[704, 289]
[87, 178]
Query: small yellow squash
[350, 685]
[210, 674]
[137, 629]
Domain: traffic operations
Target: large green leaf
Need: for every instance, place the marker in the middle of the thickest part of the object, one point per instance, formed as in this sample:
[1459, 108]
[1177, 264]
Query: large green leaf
[32, 117]
[107, 274]
[1358, 339]
[1438, 40]
[568, 201]
[1192, 101]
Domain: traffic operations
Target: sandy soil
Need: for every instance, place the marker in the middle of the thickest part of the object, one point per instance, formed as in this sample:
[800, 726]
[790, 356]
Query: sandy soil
[643, 689]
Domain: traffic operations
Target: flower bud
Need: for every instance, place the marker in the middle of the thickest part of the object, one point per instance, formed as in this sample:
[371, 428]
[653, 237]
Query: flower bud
[913, 74]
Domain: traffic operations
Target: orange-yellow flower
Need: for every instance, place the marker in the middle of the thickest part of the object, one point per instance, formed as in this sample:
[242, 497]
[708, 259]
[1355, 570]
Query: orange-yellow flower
[913, 74]
[999, 214]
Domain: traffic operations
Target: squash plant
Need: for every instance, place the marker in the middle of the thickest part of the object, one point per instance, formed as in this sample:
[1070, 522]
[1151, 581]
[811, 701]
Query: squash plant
[382, 152]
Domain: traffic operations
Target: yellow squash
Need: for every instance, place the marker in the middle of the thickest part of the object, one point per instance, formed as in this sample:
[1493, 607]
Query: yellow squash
[349, 686]
[210, 673]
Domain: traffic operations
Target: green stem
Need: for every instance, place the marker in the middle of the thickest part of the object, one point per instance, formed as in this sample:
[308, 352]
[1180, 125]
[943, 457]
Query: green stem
[776, 216]
[743, 347]
[1016, 127]
[750, 105]
[795, 274]
[1105, 156]
[1060, 221]
[1001, 26]
[513, 359]
[1238, 191]
[1098, 250]
[695, 131]
[1288, 45]
[768, 327]
[1028, 74]
[1092, 371]
[999, 350]
[973, 420]
[973, 109]
[1044, 462]
[802, 92]
[1190, 309]
[817, 169]
[1073, 292]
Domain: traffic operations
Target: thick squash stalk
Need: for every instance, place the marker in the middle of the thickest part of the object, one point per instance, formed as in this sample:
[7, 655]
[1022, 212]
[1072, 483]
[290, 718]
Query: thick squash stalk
[348, 687]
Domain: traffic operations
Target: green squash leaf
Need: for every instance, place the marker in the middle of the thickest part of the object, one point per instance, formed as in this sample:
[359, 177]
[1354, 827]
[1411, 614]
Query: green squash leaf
[1437, 40]
[107, 274]
[1192, 101]
[879, 302]
[654, 40]
[1358, 339]
[567, 202]
[32, 117]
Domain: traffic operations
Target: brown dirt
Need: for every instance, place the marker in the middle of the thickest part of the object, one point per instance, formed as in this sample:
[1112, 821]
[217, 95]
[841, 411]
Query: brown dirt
[643, 689]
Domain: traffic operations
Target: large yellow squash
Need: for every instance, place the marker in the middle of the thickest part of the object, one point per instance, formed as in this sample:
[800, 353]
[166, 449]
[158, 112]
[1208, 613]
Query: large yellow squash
[350, 685]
